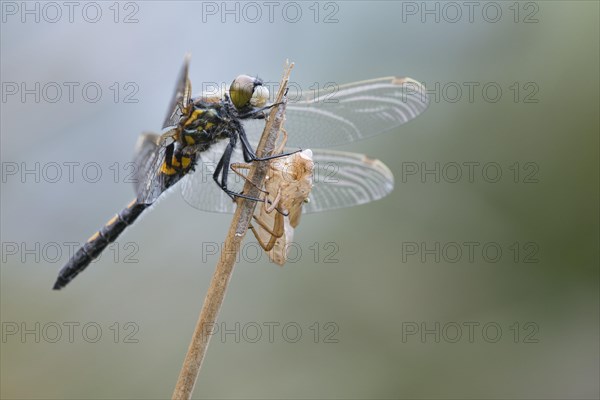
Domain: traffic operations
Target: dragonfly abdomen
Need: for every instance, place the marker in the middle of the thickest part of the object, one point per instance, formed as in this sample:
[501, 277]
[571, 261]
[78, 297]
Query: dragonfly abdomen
[98, 242]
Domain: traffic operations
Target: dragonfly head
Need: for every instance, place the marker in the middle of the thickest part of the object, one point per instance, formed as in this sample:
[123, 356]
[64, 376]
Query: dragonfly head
[246, 92]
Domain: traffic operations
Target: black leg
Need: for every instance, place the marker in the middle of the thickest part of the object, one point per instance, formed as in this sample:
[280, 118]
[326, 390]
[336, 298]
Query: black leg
[169, 155]
[227, 162]
[218, 171]
[249, 152]
[259, 113]
[223, 170]
[246, 152]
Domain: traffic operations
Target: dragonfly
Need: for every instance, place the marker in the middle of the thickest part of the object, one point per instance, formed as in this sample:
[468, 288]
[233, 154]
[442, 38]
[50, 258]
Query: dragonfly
[209, 133]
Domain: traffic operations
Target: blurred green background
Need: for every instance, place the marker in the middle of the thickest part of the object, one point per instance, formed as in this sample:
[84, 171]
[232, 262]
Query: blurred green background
[365, 317]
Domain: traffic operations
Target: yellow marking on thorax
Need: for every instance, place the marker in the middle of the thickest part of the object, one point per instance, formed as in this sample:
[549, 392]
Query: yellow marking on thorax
[195, 114]
[189, 140]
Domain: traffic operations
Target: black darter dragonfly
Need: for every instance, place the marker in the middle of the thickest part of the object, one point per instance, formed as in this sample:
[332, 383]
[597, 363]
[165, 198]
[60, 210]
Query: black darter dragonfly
[204, 132]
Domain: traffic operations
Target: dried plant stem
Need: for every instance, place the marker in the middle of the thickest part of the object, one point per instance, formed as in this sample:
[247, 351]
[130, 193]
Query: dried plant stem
[237, 231]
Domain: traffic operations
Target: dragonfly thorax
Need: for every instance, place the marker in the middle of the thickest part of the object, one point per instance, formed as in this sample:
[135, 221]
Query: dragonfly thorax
[206, 122]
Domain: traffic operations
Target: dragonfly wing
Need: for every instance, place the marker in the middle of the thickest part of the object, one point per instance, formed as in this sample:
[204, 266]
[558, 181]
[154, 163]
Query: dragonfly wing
[347, 113]
[343, 179]
[199, 188]
[181, 95]
[148, 159]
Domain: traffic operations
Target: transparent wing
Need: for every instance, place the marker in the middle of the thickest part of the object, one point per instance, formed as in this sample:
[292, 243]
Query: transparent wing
[341, 179]
[148, 158]
[181, 96]
[347, 113]
[199, 188]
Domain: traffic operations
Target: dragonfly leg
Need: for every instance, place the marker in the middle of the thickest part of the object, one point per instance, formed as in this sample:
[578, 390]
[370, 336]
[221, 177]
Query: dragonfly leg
[259, 113]
[273, 205]
[246, 153]
[235, 167]
[266, 246]
[276, 232]
[281, 145]
[268, 204]
[169, 155]
[223, 170]
[250, 155]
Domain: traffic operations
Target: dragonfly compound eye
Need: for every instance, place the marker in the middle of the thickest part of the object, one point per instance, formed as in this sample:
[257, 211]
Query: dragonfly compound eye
[246, 91]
